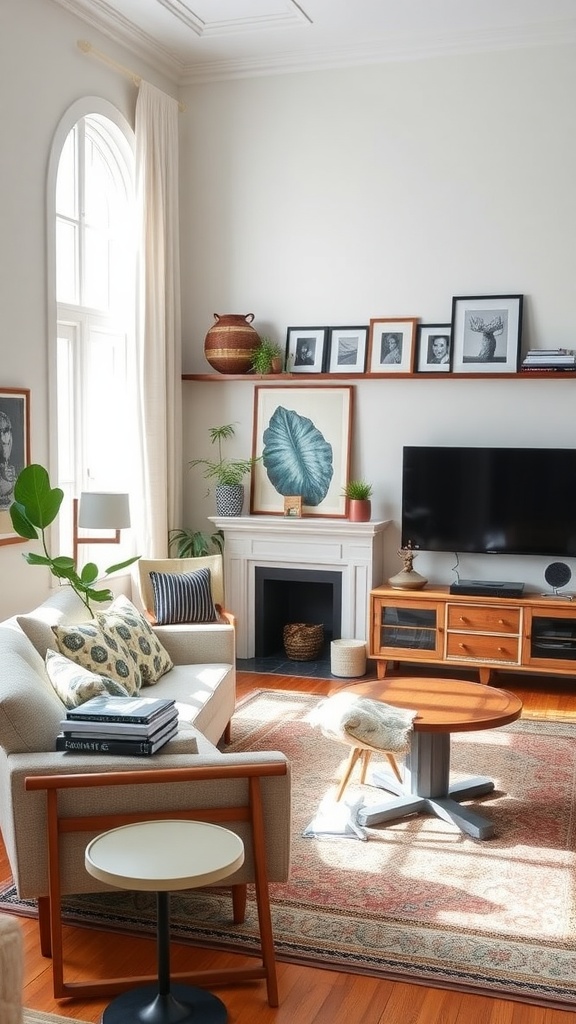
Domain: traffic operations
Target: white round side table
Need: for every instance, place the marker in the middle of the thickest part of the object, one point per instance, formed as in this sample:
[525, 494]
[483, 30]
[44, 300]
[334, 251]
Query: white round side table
[161, 856]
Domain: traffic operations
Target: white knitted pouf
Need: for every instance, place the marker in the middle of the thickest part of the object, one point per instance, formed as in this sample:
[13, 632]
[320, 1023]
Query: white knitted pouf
[348, 658]
[11, 970]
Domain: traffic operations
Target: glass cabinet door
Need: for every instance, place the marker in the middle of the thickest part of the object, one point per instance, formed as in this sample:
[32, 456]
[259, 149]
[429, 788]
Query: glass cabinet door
[411, 629]
[553, 637]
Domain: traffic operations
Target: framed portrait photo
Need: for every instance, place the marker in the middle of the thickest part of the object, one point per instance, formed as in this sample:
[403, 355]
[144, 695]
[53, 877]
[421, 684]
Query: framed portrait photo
[14, 453]
[433, 348]
[347, 348]
[486, 333]
[301, 438]
[306, 349]
[391, 344]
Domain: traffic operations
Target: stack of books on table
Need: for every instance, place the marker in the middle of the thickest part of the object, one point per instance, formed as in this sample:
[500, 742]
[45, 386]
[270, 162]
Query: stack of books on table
[549, 359]
[119, 725]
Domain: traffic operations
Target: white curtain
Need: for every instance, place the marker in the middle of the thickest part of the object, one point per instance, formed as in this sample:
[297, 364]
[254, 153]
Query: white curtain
[158, 331]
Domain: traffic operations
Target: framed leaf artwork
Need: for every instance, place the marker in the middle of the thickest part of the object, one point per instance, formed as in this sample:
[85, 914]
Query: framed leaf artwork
[302, 439]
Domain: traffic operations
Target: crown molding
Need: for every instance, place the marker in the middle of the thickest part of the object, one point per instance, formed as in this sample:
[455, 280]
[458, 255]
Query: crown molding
[380, 50]
[395, 50]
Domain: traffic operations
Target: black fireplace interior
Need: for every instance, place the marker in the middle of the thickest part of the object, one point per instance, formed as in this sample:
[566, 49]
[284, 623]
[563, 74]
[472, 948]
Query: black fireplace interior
[283, 596]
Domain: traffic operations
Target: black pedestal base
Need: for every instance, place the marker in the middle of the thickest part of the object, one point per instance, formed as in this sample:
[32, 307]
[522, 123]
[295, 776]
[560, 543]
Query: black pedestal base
[182, 1005]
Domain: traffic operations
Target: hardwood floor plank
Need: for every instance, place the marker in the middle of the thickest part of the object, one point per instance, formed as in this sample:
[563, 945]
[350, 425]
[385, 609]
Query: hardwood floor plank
[308, 995]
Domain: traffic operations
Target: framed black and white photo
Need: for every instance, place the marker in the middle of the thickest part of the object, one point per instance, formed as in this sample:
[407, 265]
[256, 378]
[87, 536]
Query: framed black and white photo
[301, 440]
[391, 344]
[14, 453]
[486, 333]
[306, 349]
[347, 347]
[433, 348]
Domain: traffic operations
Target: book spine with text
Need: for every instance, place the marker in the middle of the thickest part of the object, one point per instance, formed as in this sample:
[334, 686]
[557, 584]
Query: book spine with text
[140, 748]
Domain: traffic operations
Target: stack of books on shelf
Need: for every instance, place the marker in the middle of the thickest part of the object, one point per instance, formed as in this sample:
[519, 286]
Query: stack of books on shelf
[119, 725]
[545, 359]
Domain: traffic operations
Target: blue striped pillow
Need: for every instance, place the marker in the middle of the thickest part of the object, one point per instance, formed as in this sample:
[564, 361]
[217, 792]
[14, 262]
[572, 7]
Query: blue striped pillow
[183, 597]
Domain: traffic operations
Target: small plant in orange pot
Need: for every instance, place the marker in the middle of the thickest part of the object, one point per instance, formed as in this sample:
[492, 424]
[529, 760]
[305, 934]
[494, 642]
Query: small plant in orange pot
[358, 493]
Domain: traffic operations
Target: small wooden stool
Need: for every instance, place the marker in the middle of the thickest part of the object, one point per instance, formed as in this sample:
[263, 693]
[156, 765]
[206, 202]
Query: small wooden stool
[363, 754]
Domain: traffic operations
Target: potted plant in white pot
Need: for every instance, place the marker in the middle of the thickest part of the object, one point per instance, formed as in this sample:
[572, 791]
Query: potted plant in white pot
[358, 493]
[228, 473]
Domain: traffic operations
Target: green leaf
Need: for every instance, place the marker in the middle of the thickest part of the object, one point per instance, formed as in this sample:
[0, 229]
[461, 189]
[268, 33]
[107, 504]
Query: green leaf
[89, 573]
[34, 559]
[121, 565]
[40, 501]
[22, 525]
[63, 562]
[98, 595]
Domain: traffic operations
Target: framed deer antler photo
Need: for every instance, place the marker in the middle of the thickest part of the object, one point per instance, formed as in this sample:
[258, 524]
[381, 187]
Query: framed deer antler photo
[486, 333]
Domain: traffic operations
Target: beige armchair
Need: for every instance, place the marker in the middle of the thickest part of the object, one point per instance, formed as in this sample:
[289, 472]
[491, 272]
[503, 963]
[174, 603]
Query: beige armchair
[213, 562]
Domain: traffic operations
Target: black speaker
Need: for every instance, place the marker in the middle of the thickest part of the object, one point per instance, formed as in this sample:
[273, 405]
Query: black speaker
[557, 574]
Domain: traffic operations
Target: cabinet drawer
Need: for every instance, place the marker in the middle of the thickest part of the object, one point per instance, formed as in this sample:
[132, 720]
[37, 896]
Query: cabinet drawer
[483, 618]
[468, 647]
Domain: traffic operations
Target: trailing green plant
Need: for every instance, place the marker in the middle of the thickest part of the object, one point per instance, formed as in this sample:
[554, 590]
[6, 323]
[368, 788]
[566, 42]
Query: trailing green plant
[357, 490]
[35, 507]
[224, 471]
[188, 543]
[263, 354]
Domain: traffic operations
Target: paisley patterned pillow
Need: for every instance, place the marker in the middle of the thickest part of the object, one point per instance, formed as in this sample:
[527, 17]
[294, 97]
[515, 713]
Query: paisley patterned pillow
[74, 684]
[96, 648]
[125, 622]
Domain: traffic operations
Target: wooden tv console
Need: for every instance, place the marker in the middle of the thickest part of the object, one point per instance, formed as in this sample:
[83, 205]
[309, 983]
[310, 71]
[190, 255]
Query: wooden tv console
[531, 633]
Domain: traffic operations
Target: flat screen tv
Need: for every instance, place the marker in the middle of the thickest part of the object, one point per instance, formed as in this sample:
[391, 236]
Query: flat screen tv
[513, 501]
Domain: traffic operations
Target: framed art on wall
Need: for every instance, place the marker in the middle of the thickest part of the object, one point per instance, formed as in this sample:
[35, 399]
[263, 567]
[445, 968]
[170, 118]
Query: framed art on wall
[433, 349]
[301, 437]
[347, 349]
[391, 344]
[486, 333]
[14, 453]
[306, 349]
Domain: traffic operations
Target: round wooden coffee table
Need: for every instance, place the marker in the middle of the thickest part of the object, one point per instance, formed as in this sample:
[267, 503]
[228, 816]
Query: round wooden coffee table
[444, 706]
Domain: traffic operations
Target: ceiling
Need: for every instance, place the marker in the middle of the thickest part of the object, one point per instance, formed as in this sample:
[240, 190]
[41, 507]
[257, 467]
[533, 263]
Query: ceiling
[205, 40]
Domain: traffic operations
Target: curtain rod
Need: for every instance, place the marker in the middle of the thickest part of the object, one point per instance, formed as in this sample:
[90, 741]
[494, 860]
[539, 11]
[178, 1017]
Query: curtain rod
[87, 47]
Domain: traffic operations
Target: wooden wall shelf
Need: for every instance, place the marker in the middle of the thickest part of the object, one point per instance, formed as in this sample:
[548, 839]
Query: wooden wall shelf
[314, 378]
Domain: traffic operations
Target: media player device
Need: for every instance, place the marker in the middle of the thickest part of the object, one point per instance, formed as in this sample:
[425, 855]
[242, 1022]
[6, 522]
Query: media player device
[487, 588]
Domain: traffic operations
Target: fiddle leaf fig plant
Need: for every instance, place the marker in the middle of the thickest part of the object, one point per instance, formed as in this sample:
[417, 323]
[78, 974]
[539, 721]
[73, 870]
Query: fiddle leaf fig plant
[35, 507]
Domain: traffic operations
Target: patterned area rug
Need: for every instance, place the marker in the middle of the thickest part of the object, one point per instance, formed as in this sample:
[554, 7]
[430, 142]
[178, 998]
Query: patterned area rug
[418, 901]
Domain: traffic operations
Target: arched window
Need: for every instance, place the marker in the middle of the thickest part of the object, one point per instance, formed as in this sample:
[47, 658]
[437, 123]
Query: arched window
[92, 235]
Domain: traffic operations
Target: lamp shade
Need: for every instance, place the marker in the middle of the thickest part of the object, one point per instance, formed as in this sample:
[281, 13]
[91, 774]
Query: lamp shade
[100, 510]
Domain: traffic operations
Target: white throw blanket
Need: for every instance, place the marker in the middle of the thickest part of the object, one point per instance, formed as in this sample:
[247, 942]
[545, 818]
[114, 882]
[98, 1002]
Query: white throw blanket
[362, 722]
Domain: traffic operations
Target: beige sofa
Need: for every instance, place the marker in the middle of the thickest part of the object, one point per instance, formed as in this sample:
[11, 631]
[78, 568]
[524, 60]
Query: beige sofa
[203, 683]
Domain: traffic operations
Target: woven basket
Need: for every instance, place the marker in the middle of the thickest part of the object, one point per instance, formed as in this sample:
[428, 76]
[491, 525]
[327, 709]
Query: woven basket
[348, 658]
[303, 642]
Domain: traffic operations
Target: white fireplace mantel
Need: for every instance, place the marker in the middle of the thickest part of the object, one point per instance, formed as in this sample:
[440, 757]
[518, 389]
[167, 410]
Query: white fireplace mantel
[354, 549]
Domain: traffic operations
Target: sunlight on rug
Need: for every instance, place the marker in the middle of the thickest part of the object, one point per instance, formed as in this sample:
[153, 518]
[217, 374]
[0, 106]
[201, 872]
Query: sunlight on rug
[38, 1017]
[420, 901]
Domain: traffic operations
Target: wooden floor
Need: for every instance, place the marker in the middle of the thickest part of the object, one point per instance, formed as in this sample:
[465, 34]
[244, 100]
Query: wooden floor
[307, 995]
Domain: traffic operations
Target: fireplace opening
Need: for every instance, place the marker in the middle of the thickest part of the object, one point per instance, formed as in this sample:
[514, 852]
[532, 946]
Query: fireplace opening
[295, 595]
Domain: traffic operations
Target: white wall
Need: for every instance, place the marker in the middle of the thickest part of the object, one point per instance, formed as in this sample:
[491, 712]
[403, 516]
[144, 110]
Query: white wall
[331, 198]
[42, 72]
[322, 198]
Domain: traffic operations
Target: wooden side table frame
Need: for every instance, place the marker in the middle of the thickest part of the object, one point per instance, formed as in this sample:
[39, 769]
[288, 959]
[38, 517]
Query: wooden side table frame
[50, 907]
